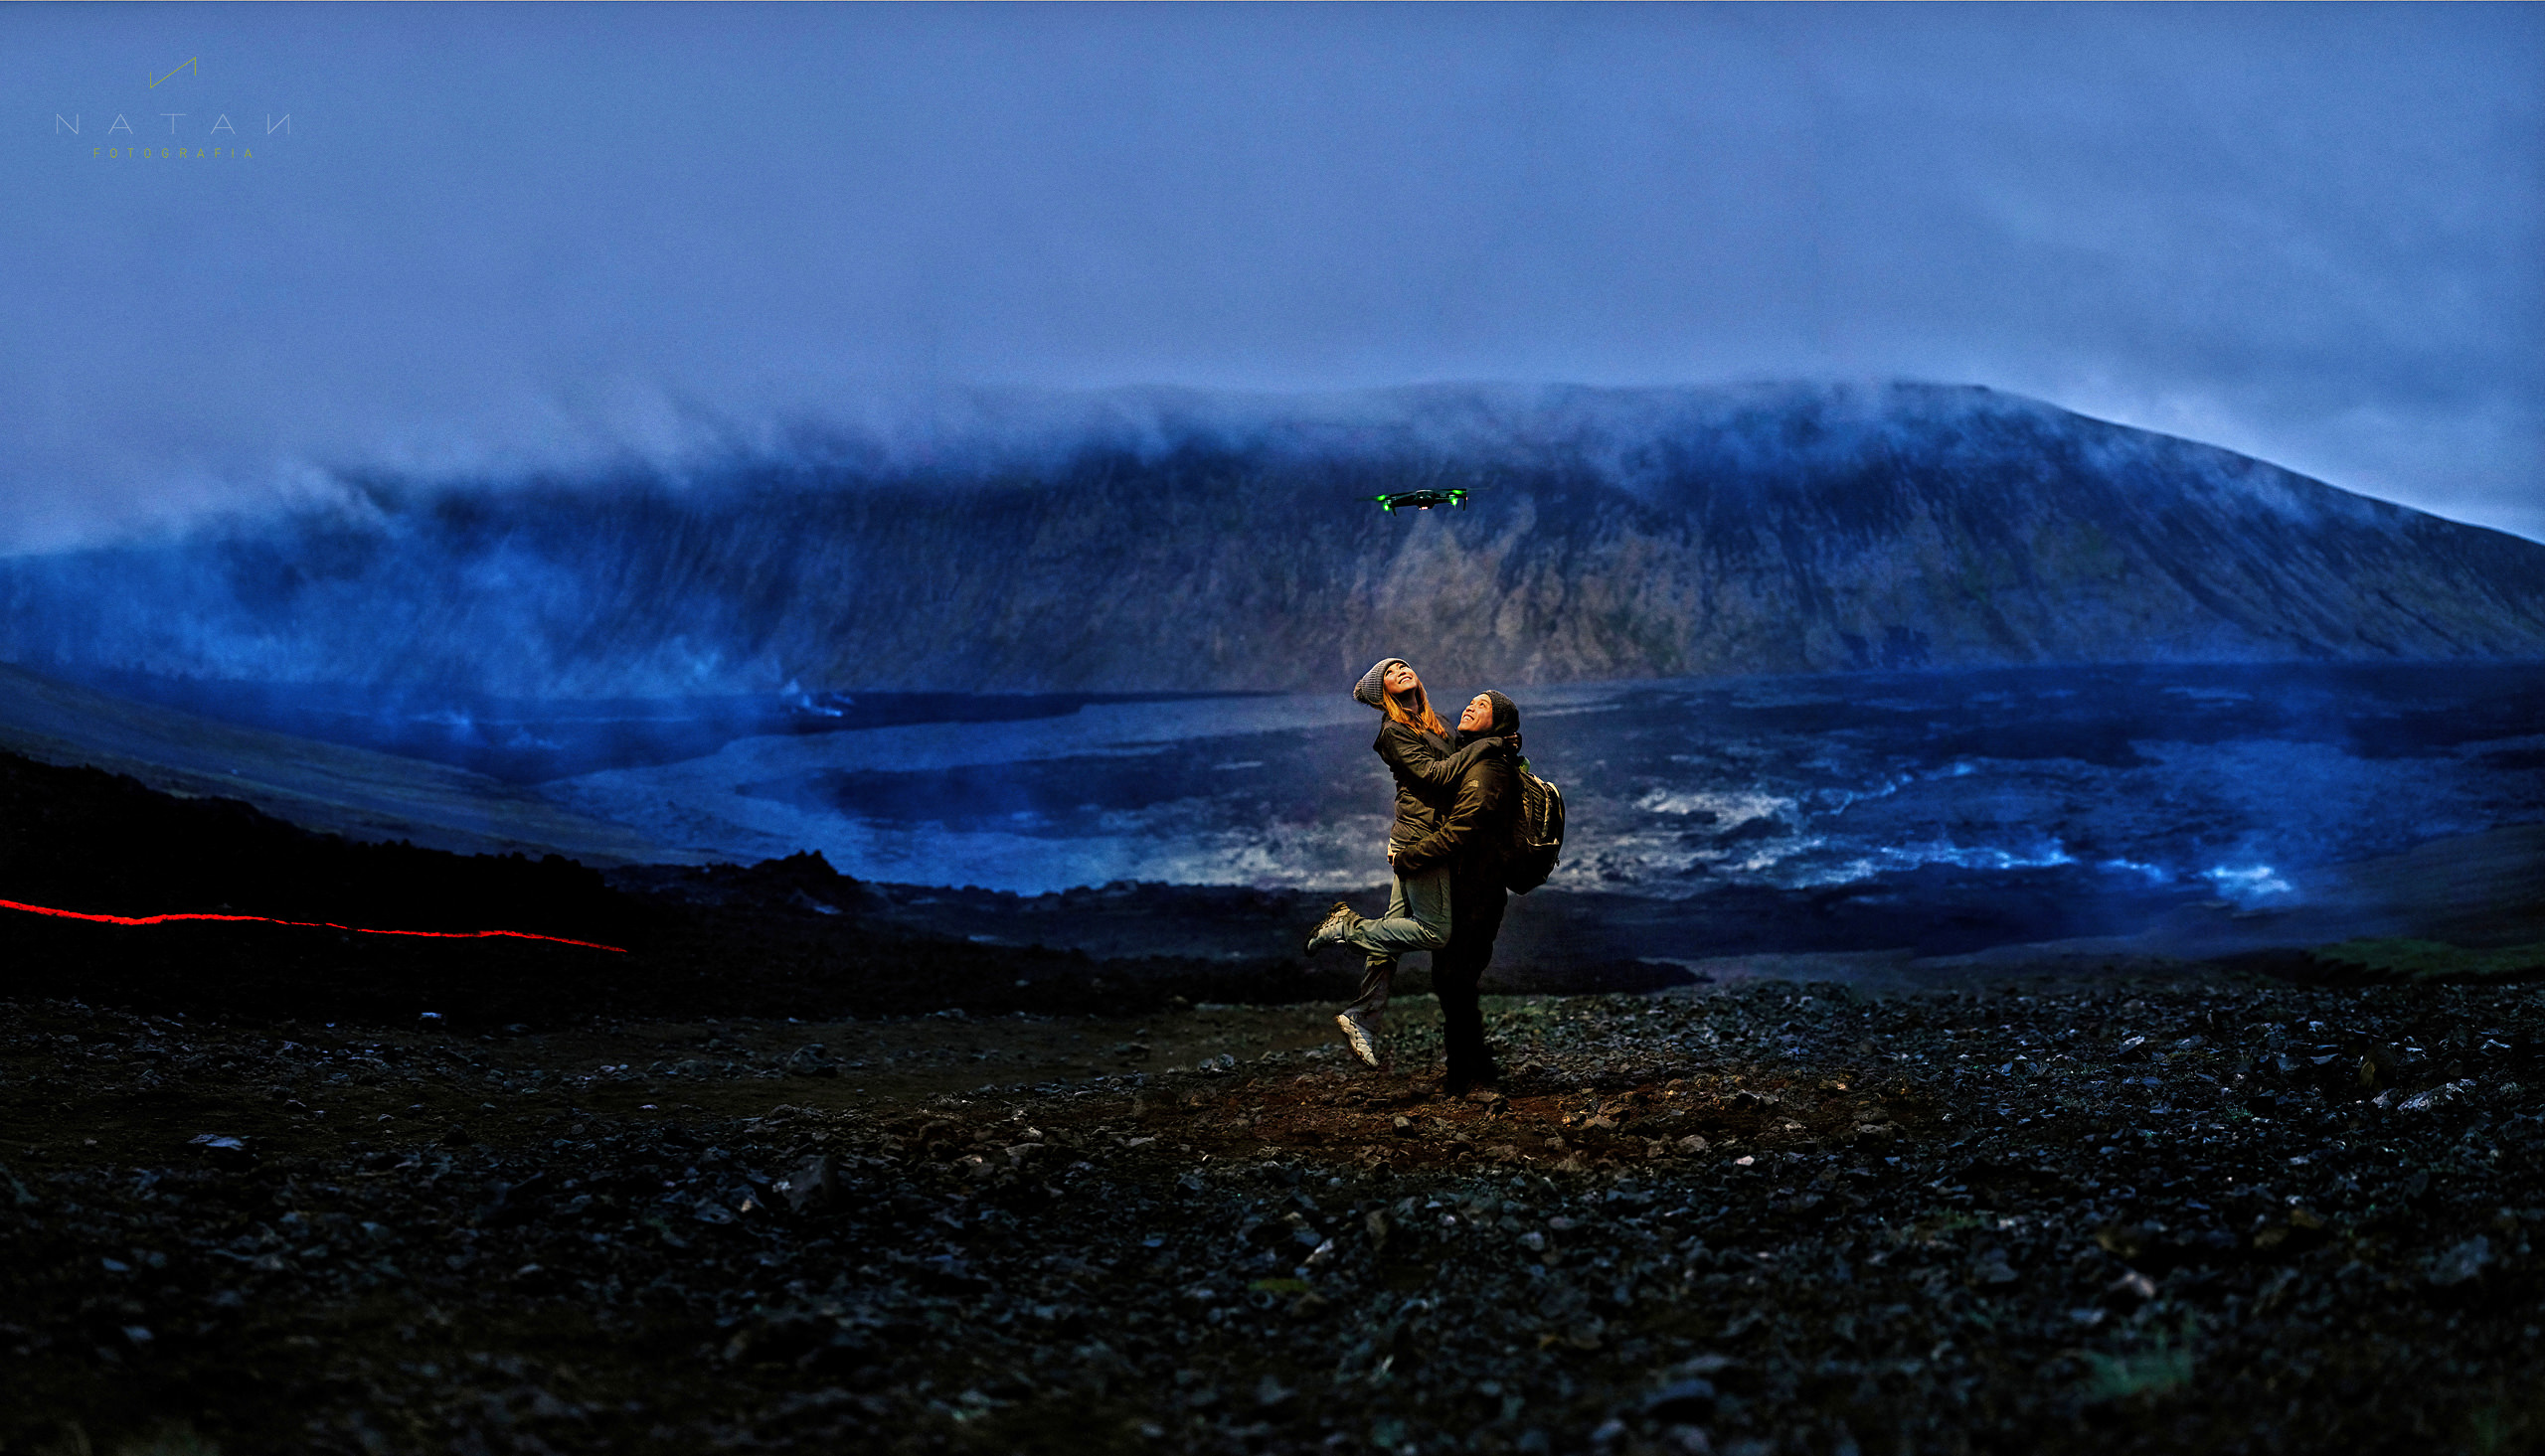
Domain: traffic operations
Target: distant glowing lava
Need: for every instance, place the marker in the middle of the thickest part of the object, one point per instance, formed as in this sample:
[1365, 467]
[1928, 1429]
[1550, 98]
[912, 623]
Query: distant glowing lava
[310, 924]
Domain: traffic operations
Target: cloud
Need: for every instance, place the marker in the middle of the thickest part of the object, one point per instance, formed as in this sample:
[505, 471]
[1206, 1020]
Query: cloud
[500, 239]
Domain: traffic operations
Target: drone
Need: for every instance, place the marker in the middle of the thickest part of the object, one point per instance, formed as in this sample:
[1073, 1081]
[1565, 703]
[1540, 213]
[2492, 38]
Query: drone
[1422, 500]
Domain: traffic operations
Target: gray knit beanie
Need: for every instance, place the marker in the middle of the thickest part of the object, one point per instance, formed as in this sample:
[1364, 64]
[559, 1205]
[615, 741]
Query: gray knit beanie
[1374, 687]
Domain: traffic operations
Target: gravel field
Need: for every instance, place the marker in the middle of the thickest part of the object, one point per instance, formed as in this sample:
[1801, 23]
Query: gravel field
[2218, 1214]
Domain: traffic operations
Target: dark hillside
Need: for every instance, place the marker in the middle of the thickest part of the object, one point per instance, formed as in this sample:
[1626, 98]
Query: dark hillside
[1195, 542]
[783, 938]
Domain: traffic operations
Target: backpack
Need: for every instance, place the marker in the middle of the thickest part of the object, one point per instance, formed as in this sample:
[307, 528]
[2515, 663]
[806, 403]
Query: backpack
[1537, 833]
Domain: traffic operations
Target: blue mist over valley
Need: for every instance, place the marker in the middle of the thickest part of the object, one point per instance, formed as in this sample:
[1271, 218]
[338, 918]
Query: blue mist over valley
[1906, 641]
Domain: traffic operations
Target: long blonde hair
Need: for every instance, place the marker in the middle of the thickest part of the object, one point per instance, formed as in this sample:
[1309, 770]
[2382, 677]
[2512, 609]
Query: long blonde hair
[1422, 717]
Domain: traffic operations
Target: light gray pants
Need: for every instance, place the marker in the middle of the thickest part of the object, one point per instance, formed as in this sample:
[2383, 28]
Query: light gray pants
[1418, 918]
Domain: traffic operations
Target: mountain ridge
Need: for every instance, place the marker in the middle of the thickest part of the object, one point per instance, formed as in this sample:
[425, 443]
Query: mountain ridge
[1180, 540]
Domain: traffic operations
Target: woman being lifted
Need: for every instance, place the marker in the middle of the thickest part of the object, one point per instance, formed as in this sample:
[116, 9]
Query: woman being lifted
[1415, 747]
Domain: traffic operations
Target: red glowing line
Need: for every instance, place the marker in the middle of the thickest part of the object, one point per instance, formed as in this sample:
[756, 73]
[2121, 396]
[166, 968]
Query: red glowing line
[310, 924]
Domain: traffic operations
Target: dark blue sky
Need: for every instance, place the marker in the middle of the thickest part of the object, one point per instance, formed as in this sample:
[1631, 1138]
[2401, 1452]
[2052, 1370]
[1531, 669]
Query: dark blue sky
[497, 236]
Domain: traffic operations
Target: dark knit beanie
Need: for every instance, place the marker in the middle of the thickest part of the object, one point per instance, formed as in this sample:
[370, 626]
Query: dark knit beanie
[1373, 689]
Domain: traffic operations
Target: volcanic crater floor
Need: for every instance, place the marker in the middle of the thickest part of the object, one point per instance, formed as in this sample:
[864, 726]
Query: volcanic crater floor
[2220, 1213]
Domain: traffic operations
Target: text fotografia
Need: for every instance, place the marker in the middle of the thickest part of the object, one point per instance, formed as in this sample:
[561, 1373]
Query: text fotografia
[120, 139]
[133, 153]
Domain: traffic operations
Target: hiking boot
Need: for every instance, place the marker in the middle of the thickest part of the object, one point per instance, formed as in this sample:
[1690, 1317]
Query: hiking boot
[1363, 1035]
[1459, 1080]
[1338, 922]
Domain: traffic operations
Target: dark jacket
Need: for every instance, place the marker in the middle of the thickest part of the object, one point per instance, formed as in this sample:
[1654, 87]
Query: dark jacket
[1428, 771]
[1475, 830]
[1423, 791]
[1426, 766]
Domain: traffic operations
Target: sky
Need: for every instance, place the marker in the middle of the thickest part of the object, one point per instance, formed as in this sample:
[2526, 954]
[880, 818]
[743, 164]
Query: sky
[482, 239]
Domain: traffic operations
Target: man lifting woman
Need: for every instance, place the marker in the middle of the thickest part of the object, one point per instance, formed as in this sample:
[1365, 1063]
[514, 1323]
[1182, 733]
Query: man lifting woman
[1455, 798]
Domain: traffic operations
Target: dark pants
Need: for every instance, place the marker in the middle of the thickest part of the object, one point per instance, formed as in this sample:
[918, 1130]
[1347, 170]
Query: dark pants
[1477, 903]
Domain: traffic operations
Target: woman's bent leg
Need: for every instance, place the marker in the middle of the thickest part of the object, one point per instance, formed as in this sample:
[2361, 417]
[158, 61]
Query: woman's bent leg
[1418, 917]
[1378, 970]
[1371, 1003]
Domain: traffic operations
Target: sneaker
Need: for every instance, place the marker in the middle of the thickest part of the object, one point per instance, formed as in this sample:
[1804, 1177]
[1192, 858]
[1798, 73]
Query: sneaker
[1338, 922]
[1363, 1037]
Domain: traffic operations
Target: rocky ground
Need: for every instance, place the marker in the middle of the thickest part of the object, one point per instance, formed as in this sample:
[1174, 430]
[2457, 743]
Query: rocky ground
[2221, 1213]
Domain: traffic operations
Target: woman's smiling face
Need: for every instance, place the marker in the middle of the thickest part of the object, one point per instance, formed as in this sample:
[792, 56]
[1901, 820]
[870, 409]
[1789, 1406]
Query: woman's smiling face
[1400, 680]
